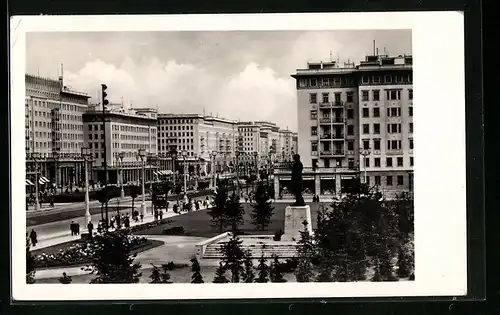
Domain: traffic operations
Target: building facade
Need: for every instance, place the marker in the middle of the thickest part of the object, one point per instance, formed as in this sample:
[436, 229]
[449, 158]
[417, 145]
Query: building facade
[123, 132]
[352, 119]
[54, 129]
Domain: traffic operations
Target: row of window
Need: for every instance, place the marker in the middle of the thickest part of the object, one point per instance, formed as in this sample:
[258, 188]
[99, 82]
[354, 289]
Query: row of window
[166, 128]
[391, 145]
[339, 81]
[390, 95]
[176, 121]
[388, 180]
[56, 104]
[65, 145]
[365, 112]
[388, 162]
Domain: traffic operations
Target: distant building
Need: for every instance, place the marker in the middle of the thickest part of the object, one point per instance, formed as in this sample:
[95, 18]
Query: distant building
[355, 118]
[127, 131]
[54, 129]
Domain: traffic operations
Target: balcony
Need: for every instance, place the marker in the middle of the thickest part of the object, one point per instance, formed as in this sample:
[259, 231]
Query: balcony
[334, 153]
[325, 120]
[332, 137]
[325, 105]
[338, 104]
[394, 152]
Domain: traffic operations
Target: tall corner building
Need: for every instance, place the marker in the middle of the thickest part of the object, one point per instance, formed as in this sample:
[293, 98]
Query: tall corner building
[356, 118]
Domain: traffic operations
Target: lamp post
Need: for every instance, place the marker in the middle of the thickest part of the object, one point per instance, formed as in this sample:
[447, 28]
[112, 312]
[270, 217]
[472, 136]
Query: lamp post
[184, 157]
[142, 154]
[152, 160]
[364, 153]
[237, 153]
[121, 155]
[196, 171]
[212, 158]
[55, 155]
[86, 157]
[35, 156]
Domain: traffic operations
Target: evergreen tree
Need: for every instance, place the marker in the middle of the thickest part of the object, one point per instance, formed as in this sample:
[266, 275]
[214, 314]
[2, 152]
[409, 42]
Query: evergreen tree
[160, 275]
[305, 253]
[113, 261]
[30, 264]
[220, 274]
[262, 209]
[196, 269]
[218, 210]
[263, 270]
[248, 274]
[232, 257]
[65, 279]
[276, 270]
[234, 213]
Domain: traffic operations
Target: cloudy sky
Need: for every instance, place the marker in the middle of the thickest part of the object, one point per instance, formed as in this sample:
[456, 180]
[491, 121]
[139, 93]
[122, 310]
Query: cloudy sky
[237, 75]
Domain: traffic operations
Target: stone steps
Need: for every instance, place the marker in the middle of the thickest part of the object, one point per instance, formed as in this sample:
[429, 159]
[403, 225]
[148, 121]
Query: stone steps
[282, 251]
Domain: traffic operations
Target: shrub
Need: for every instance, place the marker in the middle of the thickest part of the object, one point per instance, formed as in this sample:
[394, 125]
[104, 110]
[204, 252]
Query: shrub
[172, 266]
[277, 235]
[176, 230]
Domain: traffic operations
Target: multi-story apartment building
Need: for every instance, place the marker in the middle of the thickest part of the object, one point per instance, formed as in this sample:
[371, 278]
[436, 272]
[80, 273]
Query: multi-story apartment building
[386, 121]
[54, 129]
[350, 114]
[125, 132]
[204, 142]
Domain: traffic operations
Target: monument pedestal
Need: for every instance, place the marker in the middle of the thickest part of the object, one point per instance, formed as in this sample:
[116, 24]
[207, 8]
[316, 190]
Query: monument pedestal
[294, 218]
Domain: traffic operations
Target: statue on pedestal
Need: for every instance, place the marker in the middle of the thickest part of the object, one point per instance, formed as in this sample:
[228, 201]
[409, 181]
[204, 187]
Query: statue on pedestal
[296, 182]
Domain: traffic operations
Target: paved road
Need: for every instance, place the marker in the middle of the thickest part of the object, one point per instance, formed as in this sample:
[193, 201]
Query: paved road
[58, 223]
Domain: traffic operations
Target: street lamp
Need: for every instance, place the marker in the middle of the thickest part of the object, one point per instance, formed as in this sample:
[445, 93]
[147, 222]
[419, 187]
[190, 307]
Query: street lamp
[142, 154]
[364, 153]
[196, 174]
[35, 156]
[121, 155]
[212, 158]
[184, 156]
[152, 160]
[86, 157]
[55, 155]
[237, 153]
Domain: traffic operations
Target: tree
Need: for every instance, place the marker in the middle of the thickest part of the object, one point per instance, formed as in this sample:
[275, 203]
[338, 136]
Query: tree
[276, 270]
[218, 210]
[134, 191]
[160, 275]
[30, 264]
[65, 279]
[305, 253]
[113, 261]
[262, 209]
[248, 273]
[220, 274]
[196, 269]
[103, 197]
[262, 270]
[234, 213]
[232, 257]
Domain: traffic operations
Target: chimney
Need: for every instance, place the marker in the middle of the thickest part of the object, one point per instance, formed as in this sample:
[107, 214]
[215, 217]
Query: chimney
[374, 47]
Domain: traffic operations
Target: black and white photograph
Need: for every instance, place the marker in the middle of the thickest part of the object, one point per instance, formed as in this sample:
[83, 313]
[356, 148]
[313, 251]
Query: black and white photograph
[206, 156]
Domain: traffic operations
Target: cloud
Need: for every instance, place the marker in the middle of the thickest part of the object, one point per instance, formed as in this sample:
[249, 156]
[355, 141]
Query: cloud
[254, 93]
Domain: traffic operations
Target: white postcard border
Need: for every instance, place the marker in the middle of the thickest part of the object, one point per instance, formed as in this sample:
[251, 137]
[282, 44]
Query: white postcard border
[439, 181]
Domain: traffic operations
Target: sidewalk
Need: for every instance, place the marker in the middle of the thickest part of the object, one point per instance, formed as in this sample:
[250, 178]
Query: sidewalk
[56, 238]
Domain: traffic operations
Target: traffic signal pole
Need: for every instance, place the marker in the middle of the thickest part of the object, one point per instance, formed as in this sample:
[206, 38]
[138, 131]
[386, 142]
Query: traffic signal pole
[104, 163]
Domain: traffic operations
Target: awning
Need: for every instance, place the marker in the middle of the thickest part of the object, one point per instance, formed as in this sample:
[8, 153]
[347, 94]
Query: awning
[29, 183]
[44, 179]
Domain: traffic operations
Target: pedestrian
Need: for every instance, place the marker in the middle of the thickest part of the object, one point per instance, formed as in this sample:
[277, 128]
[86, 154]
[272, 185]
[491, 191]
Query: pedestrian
[197, 205]
[118, 222]
[112, 222]
[72, 228]
[33, 237]
[156, 215]
[90, 228]
[126, 221]
[160, 212]
[142, 217]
